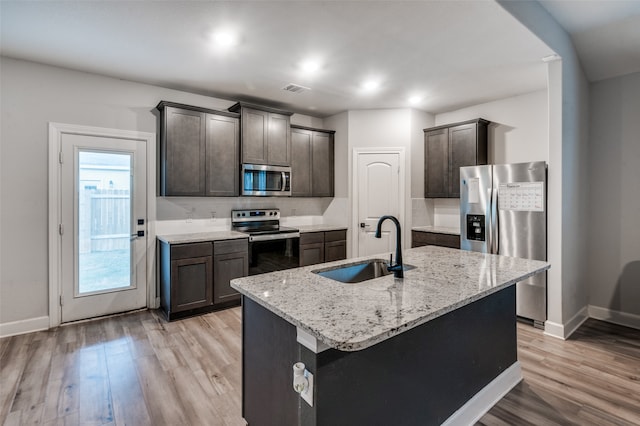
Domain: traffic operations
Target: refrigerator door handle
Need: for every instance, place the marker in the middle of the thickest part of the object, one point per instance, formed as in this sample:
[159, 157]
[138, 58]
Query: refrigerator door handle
[494, 225]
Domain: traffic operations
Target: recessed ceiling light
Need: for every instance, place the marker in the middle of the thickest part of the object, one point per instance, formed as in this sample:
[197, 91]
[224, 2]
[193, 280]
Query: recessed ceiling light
[370, 85]
[414, 100]
[224, 39]
[310, 66]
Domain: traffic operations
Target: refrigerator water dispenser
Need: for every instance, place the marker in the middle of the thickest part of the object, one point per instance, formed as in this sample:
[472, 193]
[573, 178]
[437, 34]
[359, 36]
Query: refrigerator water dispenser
[476, 227]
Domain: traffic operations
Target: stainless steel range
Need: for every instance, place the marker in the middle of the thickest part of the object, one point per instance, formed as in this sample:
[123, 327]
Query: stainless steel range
[271, 247]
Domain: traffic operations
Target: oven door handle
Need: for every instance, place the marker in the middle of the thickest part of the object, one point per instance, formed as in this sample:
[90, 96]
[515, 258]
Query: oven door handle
[271, 237]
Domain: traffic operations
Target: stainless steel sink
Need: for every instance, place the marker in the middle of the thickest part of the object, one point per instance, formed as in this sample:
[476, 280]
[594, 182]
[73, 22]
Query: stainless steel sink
[358, 272]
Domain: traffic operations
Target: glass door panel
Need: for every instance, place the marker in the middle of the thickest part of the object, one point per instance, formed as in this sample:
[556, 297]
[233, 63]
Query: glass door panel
[104, 243]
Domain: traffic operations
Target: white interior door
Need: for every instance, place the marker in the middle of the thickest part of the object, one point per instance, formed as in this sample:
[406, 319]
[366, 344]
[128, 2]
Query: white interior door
[103, 225]
[378, 189]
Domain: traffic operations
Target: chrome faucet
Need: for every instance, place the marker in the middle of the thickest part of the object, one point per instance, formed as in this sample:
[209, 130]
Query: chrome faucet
[397, 269]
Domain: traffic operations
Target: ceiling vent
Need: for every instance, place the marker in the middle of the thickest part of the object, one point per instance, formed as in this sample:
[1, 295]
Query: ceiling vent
[295, 88]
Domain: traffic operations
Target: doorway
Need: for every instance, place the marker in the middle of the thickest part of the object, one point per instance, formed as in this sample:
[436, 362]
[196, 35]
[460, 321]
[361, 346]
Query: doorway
[378, 184]
[101, 236]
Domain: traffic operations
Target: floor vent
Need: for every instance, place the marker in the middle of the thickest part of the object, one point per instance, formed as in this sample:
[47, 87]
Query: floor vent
[295, 88]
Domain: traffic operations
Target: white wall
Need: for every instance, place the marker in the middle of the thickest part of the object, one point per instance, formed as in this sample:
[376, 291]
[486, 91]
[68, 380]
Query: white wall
[519, 130]
[32, 96]
[613, 266]
[376, 128]
[567, 202]
[339, 210]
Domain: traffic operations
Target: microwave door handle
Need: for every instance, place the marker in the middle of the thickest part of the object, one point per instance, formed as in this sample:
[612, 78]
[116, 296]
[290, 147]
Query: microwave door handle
[284, 182]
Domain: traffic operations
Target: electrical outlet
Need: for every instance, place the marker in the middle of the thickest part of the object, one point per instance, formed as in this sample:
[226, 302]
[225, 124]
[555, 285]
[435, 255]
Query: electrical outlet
[213, 216]
[293, 212]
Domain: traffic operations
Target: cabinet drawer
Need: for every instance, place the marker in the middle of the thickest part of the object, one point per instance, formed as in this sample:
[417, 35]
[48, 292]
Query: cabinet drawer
[231, 246]
[335, 236]
[312, 238]
[185, 251]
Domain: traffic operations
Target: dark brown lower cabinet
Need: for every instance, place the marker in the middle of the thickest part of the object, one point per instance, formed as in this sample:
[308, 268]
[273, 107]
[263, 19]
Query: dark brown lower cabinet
[230, 260]
[320, 247]
[421, 238]
[335, 245]
[194, 277]
[311, 248]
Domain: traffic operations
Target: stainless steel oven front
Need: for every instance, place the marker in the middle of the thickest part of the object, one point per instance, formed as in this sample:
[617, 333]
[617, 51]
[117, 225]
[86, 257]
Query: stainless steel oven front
[262, 180]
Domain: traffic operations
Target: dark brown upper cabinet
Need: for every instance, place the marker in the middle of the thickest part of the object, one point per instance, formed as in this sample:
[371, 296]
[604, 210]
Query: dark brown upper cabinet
[446, 149]
[265, 134]
[199, 151]
[312, 162]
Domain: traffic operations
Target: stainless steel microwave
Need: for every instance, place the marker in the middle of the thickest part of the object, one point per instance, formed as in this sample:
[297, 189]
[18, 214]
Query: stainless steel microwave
[261, 180]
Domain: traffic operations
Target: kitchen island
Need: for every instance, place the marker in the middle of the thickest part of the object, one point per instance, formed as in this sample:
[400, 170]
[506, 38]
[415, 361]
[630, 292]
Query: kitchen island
[438, 345]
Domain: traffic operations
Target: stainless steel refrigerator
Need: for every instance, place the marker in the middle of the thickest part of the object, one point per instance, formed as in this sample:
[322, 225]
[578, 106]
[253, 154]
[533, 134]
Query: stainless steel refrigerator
[503, 210]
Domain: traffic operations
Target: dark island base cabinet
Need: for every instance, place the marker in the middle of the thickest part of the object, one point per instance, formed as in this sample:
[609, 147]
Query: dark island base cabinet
[421, 238]
[320, 247]
[419, 377]
[195, 277]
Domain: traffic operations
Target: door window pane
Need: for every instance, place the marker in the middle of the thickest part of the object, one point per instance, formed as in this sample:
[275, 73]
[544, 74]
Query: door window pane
[104, 221]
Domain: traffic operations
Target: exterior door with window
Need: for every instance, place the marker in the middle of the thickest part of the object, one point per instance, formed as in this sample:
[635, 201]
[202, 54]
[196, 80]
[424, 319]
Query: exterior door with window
[103, 225]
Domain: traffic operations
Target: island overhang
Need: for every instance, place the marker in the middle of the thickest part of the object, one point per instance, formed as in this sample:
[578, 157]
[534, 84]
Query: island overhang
[352, 317]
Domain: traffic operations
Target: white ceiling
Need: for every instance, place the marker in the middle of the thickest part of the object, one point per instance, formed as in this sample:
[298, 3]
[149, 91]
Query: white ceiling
[454, 53]
[606, 34]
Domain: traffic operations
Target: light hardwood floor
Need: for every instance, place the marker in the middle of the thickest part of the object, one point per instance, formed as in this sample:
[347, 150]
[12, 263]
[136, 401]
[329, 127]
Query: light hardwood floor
[137, 369]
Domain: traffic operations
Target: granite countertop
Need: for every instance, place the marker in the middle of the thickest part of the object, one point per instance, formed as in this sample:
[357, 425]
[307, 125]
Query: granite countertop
[319, 228]
[198, 237]
[437, 229]
[351, 317]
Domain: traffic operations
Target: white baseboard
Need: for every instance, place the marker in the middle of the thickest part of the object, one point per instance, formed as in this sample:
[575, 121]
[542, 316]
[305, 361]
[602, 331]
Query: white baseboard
[616, 317]
[563, 331]
[24, 326]
[488, 396]
[575, 322]
[554, 329]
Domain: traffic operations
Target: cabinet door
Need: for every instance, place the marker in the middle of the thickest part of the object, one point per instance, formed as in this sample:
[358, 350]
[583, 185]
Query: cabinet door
[191, 283]
[223, 150]
[436, 160]
[255, 124]
[182, 167]
[227, 267]
[462, 152]
[279, 140]
[322, 165]
[335, 250]
[310, 254]
[300, 163]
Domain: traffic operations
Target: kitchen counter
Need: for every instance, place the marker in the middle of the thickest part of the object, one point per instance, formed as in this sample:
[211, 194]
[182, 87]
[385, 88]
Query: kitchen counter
[353, 317]
[320, 228]
[437, 229]
[197, 237]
